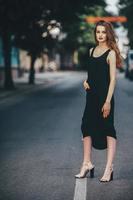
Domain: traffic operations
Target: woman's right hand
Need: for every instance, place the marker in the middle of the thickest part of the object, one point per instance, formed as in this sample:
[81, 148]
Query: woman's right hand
[86, 85]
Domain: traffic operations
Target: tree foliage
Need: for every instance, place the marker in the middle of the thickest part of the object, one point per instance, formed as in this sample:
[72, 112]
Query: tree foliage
[126, 8]
[19, 18]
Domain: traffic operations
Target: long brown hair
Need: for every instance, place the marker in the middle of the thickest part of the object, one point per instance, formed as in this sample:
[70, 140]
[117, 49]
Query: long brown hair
[111, 40]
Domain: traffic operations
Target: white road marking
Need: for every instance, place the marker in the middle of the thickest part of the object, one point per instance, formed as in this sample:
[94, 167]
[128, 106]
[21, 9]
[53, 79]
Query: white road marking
[80, 192]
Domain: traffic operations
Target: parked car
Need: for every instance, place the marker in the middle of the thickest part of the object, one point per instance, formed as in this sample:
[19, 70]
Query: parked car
[129, 66]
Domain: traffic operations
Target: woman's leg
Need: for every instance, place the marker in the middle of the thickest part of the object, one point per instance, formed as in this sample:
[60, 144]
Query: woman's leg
[87, 148]
[87, 164]
[111, 149]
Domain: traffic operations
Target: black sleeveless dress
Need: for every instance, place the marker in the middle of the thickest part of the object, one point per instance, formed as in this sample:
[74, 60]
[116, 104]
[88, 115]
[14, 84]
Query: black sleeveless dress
[93, 124]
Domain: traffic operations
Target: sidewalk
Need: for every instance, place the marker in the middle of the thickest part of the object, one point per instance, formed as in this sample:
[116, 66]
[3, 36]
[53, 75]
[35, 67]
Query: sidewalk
[41, 80]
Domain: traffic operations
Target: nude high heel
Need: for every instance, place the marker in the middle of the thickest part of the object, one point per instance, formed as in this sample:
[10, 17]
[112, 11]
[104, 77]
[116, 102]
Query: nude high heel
[109, 175]
[85, 169]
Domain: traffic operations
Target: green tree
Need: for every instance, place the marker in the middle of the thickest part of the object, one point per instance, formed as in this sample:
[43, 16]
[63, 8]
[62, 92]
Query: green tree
[126, 8]
[15, 17]
[30, 39]
[18, 18]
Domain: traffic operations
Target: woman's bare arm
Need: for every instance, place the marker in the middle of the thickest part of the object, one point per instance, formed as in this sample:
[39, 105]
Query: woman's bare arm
[112, 67]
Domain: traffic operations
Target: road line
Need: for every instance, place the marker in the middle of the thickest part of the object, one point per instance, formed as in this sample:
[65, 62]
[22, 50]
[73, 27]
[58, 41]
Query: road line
[80, 192]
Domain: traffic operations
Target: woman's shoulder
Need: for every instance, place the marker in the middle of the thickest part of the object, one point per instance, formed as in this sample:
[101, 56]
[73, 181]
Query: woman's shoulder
[111, 56]
[112, 53]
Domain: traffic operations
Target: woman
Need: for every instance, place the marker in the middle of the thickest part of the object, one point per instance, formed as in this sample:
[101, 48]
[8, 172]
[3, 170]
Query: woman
[98, 118]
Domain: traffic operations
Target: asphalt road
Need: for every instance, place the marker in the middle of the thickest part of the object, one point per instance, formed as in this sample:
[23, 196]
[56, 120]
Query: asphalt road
[41, 146]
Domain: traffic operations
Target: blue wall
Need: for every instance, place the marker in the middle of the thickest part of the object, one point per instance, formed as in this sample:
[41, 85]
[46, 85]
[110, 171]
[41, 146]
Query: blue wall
[14, 57]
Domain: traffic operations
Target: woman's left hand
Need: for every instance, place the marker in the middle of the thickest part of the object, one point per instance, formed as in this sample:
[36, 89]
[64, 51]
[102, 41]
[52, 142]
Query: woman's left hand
[106, 109]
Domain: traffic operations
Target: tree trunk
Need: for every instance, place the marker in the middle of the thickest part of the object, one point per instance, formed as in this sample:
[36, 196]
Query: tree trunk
[32, 70]
[8, 81]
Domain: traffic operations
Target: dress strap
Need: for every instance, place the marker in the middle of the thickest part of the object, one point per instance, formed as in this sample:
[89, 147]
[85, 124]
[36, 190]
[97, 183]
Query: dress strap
[92, 51]
[107, 52]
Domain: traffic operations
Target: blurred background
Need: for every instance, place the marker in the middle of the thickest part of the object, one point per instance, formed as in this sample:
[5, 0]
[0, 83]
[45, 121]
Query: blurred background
[44, 47]
[40, 36]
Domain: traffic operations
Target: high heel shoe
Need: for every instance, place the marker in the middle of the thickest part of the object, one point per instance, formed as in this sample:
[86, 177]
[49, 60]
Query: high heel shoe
[107, 173]
[85, 169]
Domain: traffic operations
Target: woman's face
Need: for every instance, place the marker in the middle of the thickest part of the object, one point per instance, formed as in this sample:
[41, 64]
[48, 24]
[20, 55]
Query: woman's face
[101, 34]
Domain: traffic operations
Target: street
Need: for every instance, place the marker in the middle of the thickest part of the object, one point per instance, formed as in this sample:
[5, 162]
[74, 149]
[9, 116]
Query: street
[41, 146]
